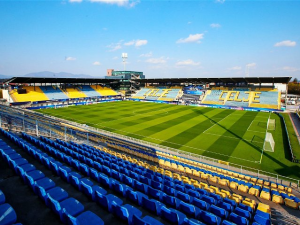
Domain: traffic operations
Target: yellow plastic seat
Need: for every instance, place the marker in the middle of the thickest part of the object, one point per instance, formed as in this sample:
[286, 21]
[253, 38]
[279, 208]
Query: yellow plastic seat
[288, 189]
[277, 199]
[224, 182]
[167, 164]
[253, 179]
[186, 181]
[227, 193]
[214, 188]
[176, 176]
[267, 183]
[249, 204]
[209, 190]
[223, 195]
[188, 170]
[243, 188]
[281, 188]
[196, 173]
[248, 178]
[161, 162]
[264, 208]
[197, 185]
[233, 185]
[204, 176]
[265, 195]
[236, 199]
[273, 185]
[194, 181]
[241, 176]
[213, 179]
[260, 182]
[291, 203]
[174, 166]
[203, 185]
[237, 196]
[254, 192]
[180, 168]
[160, 170]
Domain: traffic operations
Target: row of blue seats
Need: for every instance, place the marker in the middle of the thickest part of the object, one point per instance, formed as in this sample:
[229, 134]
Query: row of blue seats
[109, 201]
[70, 210]
[8, 215]
[109, 184]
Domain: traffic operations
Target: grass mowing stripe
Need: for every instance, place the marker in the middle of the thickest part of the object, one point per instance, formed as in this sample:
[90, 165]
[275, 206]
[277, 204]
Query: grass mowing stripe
[228, 145]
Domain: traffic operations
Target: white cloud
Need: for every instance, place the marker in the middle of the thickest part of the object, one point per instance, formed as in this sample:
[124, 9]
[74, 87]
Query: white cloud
[115, 46]
[187, 62]
[149, 54]
[251, 65]
[114, 58]
[290, 69]
[160, 60]
[96, 63]
[129, 43]
[139, 43]
[69, 58]
[121, 3]
[104, 28]
[75, 0]
[220, 1]
[235, 68]
[189, 22]
[136, 43]
[215, 25]
[191, 38]
[286, 43]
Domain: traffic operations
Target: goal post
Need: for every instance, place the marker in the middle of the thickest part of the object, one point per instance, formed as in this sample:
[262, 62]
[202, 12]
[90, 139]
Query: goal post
[271, 124]
[269, 143]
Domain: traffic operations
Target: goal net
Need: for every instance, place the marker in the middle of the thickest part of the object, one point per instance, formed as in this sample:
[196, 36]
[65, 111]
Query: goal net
[271, 124]
[269, 143]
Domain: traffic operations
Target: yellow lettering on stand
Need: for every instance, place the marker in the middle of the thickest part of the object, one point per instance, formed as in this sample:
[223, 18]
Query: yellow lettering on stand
[148, 92]
[236, 98]
[165, 92]
[230, 96]
[247, 100]
[221, 98]
[255, 96]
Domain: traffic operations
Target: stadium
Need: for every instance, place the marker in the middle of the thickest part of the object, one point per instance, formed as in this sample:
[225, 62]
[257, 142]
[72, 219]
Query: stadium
[130, 150]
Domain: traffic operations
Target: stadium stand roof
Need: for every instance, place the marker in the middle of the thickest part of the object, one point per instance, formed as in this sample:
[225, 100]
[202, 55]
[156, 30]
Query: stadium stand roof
[283, 80]
[57, 80]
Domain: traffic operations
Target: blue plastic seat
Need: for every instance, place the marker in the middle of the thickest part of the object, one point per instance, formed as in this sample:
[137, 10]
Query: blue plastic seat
[226, 206]
[200, 204]
[87, 217]
[63, 172]
[189, 209]
[74, 179]
[156, 194]
[106, 200]
[138, 186]
[263, 214]
[54, 165]
[179, 188]
[192, 222]
[66, 208]
[193, 193]
[127, 180]
[226, 222]
[42, 186]
[32, 176]
[209, 218]
[152, 205]
[246, 207]
[201, 191]
[156, 185]
[56, 193]
[239, 220]
[172, 215]
[115, 174]
[84, 169]
[125, 212]
[2, 197]
[230, 201]
[147, 220]
[222, 213]
[104, 180]
[209, 200]
[21, 170]
[135, 196]
[243, 213]
[120, 188]
[7, 214]
[182, 196]
[145, 180]
[261, 220]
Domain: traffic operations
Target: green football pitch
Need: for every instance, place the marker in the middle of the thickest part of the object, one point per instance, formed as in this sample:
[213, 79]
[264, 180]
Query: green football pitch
[230, 135]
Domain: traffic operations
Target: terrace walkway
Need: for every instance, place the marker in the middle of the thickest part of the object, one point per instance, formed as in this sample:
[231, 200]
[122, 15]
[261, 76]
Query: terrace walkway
[296, 123]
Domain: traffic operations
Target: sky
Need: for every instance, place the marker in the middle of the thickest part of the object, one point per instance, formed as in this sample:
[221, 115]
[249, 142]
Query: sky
[163, 39]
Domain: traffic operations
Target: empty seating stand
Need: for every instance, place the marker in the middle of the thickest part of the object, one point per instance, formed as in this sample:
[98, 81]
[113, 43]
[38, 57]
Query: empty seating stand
[7, 213]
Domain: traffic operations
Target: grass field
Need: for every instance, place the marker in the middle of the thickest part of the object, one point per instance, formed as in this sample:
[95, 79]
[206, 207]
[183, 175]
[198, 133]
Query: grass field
[230, 135]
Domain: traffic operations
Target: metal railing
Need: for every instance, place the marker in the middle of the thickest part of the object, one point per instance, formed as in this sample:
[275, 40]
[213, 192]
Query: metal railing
[295, 183]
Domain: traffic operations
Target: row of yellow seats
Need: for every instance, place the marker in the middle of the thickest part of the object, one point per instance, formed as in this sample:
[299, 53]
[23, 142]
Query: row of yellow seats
[254, 180]
[212, 189]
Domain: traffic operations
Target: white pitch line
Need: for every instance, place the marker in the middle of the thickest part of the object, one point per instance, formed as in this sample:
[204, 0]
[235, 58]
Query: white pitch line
[233, 137]
[250, 125]
[217, 123]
